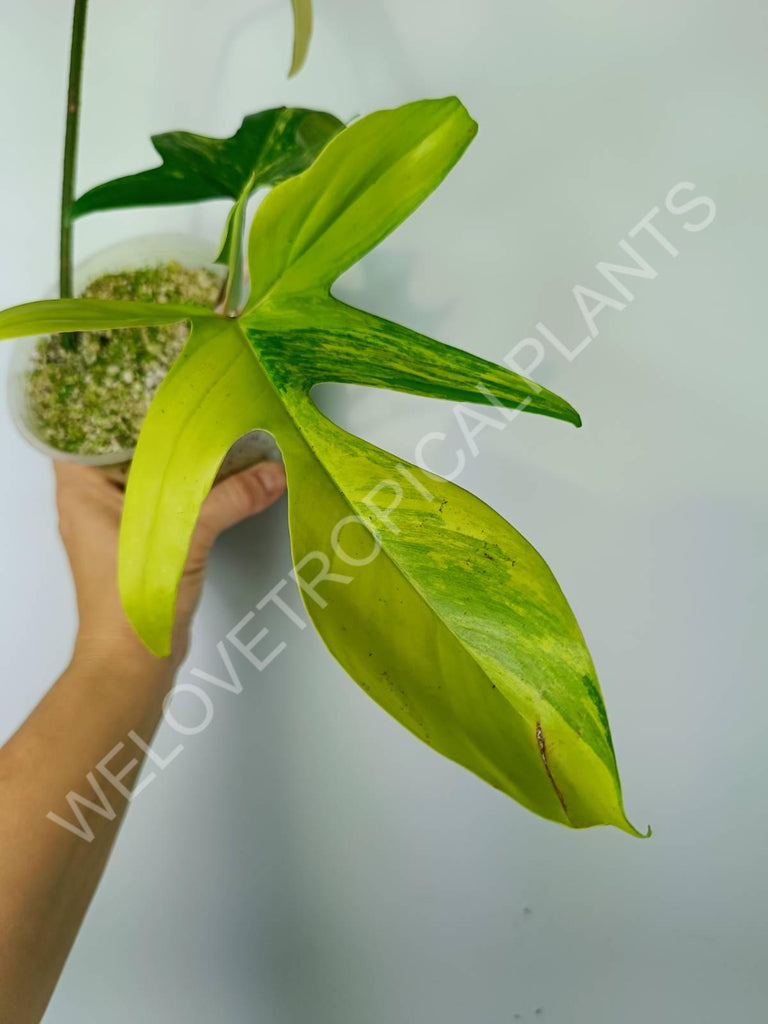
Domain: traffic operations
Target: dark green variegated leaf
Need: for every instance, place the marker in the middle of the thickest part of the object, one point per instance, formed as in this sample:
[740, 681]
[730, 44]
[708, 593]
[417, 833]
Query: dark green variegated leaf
[435, 605]
[267, 148]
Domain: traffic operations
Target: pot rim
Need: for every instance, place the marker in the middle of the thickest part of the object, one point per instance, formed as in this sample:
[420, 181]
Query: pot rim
[141, 250]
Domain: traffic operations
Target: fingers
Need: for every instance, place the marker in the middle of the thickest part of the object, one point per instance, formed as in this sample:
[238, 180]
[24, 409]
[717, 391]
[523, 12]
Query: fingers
[239, 497]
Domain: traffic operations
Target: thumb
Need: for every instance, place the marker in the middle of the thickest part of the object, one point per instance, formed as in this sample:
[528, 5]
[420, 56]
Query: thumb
[239, 497]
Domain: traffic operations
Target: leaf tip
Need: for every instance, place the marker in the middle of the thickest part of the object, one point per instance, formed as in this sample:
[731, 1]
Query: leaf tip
[458, 106]
[154, 637]
[566, 412]
[153, 634]
[160, 648]
[625, 825]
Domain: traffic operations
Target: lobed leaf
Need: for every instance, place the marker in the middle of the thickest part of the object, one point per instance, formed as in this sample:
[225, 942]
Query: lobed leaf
[435, 605]
[267, 148]
[438, 608]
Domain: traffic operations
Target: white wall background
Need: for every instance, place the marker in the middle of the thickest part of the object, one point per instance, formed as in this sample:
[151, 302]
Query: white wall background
[305, 859]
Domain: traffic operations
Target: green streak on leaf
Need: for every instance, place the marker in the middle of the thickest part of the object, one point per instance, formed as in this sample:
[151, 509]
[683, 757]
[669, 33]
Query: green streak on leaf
[322, 340]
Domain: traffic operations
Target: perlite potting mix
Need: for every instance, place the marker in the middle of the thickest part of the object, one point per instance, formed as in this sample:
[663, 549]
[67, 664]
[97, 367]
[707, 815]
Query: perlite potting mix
[89, 393]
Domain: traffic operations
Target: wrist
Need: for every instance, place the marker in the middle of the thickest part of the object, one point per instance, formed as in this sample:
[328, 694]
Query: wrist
[123, 657]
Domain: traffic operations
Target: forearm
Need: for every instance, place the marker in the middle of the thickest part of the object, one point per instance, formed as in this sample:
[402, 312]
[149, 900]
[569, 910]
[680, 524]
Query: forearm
[48, 874]
[88, 735]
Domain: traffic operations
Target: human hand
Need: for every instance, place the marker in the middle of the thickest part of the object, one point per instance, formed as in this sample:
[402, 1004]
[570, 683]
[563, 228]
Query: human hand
[90, 506]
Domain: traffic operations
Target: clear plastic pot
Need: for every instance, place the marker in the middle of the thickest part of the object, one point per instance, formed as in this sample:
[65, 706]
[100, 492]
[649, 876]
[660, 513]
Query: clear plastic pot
[143, 251]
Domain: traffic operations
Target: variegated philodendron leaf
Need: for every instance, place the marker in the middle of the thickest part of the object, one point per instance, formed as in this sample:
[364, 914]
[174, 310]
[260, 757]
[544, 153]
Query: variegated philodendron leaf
[436, 606]
[267, 148]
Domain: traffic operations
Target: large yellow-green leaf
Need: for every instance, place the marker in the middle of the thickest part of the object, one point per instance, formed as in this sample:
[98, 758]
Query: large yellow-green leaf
[435, 605]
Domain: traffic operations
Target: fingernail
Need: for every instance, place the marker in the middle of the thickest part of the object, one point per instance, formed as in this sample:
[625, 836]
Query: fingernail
[272, 476]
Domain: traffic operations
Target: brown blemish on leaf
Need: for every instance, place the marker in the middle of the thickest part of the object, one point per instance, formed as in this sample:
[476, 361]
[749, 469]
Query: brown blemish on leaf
[543, 752]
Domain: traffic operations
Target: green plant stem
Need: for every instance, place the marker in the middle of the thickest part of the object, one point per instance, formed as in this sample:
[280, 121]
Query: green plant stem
[70, 146]
[233, 286]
